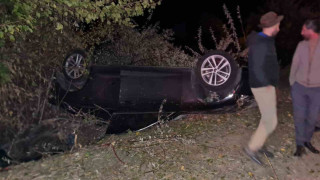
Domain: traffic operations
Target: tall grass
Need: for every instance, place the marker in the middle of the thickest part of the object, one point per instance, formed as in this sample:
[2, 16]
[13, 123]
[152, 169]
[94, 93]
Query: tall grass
[229, 42]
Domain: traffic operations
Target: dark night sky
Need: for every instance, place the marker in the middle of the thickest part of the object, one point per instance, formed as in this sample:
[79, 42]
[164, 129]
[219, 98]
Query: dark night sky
[172, 12]
[186, 16]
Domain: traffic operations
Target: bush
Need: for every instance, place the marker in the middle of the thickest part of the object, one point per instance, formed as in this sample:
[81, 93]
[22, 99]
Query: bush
[31, 65]
[147, 47]
[35, 36]
[29, 60]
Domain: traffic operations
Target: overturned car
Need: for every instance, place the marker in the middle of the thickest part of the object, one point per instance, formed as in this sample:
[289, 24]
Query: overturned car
[118, 93]
[131, 97]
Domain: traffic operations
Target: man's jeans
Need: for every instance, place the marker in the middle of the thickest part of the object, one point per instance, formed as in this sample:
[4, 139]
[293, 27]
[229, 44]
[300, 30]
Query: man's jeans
[266, 100]
[318, 123]
[306, 103]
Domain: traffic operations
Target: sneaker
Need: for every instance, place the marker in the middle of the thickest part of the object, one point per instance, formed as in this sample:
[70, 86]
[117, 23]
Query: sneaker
[253, 156]
[266, 152]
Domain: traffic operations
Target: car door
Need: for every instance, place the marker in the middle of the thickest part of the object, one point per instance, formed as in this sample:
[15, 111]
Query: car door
[145, 91]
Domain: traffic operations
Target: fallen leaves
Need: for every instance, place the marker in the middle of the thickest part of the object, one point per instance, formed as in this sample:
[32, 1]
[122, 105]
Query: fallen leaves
[113, 143]
[182, 168]
[190, 149]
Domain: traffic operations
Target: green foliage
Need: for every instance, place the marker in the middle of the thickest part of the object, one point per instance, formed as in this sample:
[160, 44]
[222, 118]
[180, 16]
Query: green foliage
[31, 64]
[36, 35]
[23, 16]
[20, 17]
[4, 74]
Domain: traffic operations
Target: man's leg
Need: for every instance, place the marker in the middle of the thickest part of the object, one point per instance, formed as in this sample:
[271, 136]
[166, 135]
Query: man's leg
[313, 112]
[317, 129]
[299, 102]
[266, 100]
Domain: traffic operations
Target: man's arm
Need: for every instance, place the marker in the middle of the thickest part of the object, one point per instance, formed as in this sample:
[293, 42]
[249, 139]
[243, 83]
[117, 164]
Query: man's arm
[294, 66]
[258, 55]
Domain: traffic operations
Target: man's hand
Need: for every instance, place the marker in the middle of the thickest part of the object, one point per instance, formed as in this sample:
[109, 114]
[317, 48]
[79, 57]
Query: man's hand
[269, 87]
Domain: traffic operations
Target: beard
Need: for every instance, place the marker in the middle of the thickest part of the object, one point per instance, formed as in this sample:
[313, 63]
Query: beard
[305, 37]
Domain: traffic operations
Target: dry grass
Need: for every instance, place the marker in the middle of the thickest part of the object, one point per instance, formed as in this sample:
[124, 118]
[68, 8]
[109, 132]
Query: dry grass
[229, 42]
[198, 147]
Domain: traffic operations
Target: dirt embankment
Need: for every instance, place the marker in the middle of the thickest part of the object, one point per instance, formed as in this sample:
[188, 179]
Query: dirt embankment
[196, 147]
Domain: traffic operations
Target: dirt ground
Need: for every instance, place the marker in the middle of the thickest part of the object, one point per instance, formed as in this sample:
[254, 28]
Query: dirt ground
[196, 147]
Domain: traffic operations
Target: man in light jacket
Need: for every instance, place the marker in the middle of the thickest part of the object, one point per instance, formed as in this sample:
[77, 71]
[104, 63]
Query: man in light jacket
[305, 86]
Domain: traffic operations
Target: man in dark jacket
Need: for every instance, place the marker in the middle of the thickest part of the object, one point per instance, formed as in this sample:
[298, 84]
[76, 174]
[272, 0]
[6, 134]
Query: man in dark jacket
[263, 78]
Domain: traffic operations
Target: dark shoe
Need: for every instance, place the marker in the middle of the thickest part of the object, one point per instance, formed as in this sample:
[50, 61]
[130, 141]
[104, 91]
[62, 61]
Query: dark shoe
[311, 148]
[317, 129]
[266, 152]
[300, 151]
[253, 156]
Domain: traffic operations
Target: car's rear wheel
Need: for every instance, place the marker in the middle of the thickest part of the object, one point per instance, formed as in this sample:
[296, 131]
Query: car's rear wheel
[76, 66]
[217, 72]
[75, 71]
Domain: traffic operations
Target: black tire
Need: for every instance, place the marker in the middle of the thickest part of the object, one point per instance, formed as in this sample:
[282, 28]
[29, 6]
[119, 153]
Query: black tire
[76, 66]
[221, 78]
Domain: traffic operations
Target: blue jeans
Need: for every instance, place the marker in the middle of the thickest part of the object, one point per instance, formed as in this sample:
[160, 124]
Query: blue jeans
[306, 103]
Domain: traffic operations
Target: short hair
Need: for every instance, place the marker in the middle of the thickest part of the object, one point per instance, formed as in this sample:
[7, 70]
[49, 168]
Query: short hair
[313, 24]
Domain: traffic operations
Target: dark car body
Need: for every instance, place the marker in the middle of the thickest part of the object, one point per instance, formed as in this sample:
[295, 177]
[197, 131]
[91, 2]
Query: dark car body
[124, 95]
[131, 89]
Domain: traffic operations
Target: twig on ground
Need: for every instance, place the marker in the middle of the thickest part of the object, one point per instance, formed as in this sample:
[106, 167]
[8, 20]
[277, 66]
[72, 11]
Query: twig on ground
[164, 152]
[149, 171]
[271, 166]
[254, 177]
[114, 151]
[75, 139]
[203, 145]
[4, 169]
[156, 144]
[148, 126]
[106, 145]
